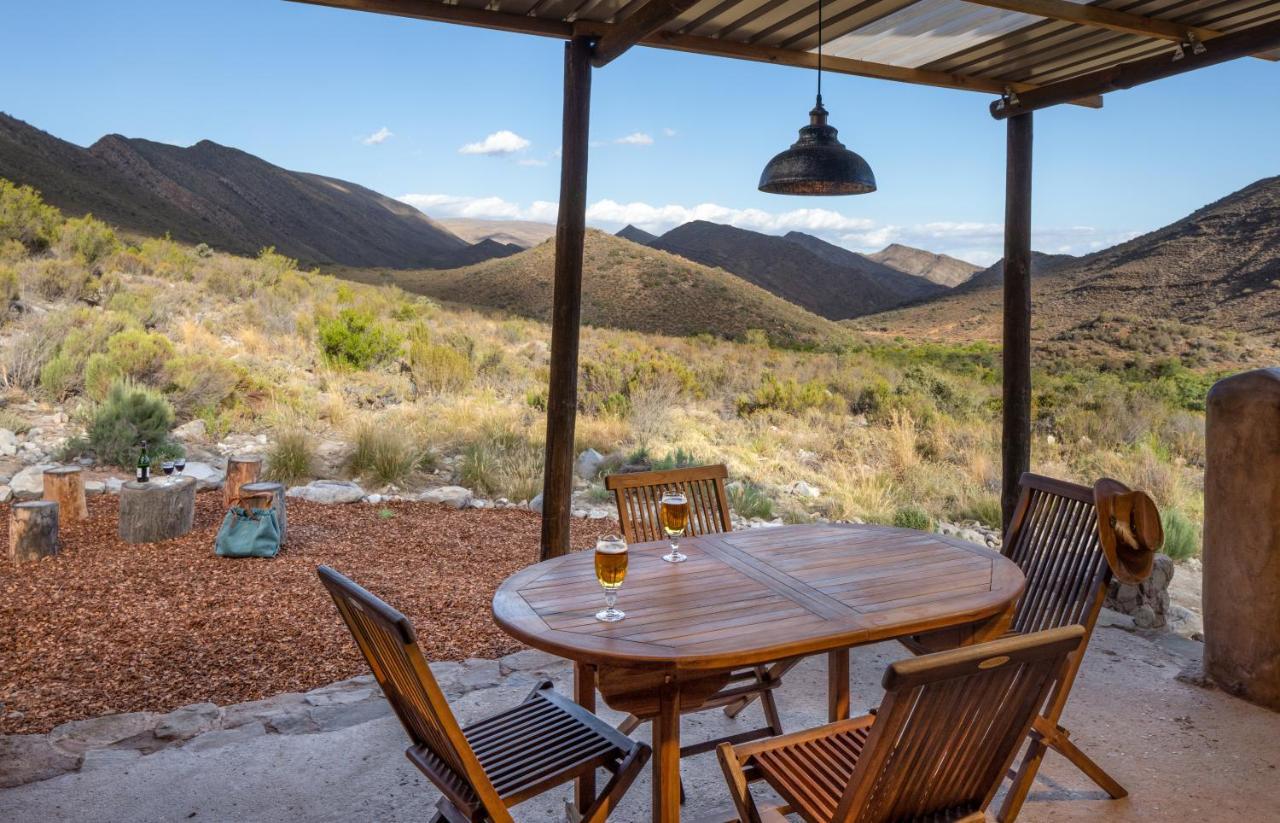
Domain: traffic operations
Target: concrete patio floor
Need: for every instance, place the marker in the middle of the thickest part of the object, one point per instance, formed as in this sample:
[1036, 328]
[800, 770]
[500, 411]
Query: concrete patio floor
[1185, 753]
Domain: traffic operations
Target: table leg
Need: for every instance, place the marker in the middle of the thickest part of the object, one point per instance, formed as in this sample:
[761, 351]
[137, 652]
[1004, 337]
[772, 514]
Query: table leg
[838, 685]
[584, 692]
[666, 755]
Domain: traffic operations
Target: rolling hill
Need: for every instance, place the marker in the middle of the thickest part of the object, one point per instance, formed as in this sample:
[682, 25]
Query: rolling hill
[630, 287]
[936, 268]
[1217, 268]
[524, 234]
[229, 199]
[825, 279]
[636, 235]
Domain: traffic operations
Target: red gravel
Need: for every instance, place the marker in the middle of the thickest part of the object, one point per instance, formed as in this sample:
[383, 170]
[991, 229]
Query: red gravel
[107, 627]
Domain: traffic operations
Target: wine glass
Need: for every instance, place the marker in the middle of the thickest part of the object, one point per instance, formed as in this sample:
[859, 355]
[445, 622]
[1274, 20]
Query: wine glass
[611, 568]
[674, 509]
[180, 463]
[167, 468]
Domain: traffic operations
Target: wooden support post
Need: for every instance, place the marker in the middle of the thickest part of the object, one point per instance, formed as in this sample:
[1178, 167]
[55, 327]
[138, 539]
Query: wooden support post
[33, 530]
[240, 470]
[566, 312]
[64, 485]
[1016, 455]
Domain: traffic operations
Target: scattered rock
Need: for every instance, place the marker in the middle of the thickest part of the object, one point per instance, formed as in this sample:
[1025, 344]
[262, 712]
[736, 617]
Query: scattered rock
[193, 430]
[207, 477]
[456, 496]
[94, 487]
[328, 492]
[188, 721]
[25, 758]
[536, 504]
[79, 736]
[803, 489]
[6, 494]
[589, 463]
[8, 443]
[1147, 602]
[28, 484]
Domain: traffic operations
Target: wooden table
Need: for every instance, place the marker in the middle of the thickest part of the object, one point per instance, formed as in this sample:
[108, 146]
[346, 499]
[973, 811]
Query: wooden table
[746, 598]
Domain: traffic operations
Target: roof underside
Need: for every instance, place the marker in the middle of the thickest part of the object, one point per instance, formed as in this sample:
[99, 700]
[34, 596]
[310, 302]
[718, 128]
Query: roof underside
[983, 45]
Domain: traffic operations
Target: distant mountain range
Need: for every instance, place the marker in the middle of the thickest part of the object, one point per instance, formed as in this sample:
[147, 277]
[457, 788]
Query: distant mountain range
[937, 268]
[523, 234]
[232, 200]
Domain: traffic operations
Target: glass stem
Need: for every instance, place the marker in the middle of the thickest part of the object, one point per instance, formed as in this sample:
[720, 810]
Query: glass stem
[610, 598]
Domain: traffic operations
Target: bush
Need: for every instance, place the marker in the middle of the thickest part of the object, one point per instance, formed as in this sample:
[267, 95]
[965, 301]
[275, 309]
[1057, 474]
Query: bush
[24, 217]
[88, 240]
[1181, 540]
[133, 353]
[291, 459]
[130, 414]
[10, 286]
[383, 453]
[29, 351]
[504, 463]
[912, 517]
[62, 280]
[356, 340]
[789, 396]
[749, 500]
[200, 384]
[438, 368]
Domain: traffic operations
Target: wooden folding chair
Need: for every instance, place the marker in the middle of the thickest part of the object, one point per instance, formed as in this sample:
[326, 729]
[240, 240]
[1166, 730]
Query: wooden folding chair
[487, 767]
[1053, 537]
[937, 749]
[637, 495]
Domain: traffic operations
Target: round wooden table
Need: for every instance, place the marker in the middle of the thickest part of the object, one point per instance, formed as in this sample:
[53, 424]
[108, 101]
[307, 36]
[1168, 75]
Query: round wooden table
[746, 598]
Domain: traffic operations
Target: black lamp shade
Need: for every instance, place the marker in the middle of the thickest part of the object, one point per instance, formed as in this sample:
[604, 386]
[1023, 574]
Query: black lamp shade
[817, 164]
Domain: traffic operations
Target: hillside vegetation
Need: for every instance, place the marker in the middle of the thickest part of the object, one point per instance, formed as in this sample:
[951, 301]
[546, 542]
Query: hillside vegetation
[890, 431]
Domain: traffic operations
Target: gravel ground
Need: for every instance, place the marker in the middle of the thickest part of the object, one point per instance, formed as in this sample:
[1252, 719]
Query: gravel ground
[108, 627]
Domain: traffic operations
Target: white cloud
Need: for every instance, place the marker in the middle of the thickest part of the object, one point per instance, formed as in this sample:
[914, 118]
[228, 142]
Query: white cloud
[668, 132]
[980, 243]
[380, 136]
[500, 142]
[636, 138]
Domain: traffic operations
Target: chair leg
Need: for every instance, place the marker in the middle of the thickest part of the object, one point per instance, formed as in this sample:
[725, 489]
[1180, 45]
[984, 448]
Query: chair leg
[737, 782]
[1086, 764]
[1022, 781]
[1045, 736]
[617, 786]
[629, 724]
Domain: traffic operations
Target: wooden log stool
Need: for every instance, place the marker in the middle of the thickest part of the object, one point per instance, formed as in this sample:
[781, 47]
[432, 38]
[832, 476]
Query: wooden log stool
[33, 530]
[157, 510]
[240, 470]
[64, 485]
[264, 494]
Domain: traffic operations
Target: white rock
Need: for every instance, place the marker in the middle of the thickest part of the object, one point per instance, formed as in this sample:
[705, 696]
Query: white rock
[803, 489]
[536, 504]
[28, 484]
[373, 499]
[589, 463]
[94, 487]
[114, 484]
[456, 496]
[193, 430]
[6, 494]
[328, 492]
[207, 477]
[8, 443]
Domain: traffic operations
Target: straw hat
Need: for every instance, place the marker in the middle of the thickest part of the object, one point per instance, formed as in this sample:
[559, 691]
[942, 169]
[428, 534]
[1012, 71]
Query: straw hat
[1128, 528]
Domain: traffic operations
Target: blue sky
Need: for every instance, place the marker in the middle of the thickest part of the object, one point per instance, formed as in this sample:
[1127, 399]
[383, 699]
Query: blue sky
[308, 87]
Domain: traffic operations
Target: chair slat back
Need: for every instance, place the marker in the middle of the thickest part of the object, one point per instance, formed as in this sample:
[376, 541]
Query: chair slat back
[638, 495]
[387, 640]
[1053, 538]
[950, 725]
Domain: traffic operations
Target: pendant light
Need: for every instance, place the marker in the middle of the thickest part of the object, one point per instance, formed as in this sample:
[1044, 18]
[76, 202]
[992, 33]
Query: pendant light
[817, 163]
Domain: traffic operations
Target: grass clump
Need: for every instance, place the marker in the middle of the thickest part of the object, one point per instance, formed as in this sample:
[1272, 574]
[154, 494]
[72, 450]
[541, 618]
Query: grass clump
[10, 286]
[913, 517]
[438, 368]
[383, 453]
[985, 509]
[505, 463]
[291, 458]
[1181, 540]
[750, 500]
[130, 414]
[13, 422]
[355, 339]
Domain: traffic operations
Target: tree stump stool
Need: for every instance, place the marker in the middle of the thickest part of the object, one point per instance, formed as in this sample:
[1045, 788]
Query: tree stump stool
[33, 530]
[64, 485]
[268, 495]
[157, 510]
[240, 470]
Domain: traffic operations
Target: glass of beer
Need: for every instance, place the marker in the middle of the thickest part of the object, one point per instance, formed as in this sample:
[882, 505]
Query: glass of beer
[674, 509]
[611, 569]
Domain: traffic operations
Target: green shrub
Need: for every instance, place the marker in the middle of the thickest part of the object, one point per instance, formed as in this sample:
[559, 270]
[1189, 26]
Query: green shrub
[61, 280]
[133, 353]
[505, 463]
[88, 240]
[438, 368]
[912, 517]
[291, 458]
[678, 459]
[10, 286]
[787, 395]
[749, 500]
[1181, 539]
[130, 414]
[200, 384]
[61, 376]
[356, 340]
[383, 453]
[24, 217]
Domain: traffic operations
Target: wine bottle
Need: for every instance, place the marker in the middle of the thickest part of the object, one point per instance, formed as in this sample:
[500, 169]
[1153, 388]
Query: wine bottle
[144, 464]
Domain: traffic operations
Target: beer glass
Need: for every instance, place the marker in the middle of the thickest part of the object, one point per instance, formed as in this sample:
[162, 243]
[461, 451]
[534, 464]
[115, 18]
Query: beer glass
[611, 568]
[674, 509]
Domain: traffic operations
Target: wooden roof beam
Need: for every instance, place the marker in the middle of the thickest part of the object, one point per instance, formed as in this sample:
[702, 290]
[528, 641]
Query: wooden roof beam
[636, 26]
[1104, 18]
[1265, 37]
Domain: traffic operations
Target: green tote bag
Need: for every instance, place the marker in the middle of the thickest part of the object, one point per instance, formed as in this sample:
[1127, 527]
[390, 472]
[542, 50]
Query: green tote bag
[248, 533]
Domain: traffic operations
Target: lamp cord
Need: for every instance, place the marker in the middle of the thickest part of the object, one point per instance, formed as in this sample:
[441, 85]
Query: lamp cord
[819, 51]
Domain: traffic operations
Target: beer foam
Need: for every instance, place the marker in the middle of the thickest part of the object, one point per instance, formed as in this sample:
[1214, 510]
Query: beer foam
[612, 548]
